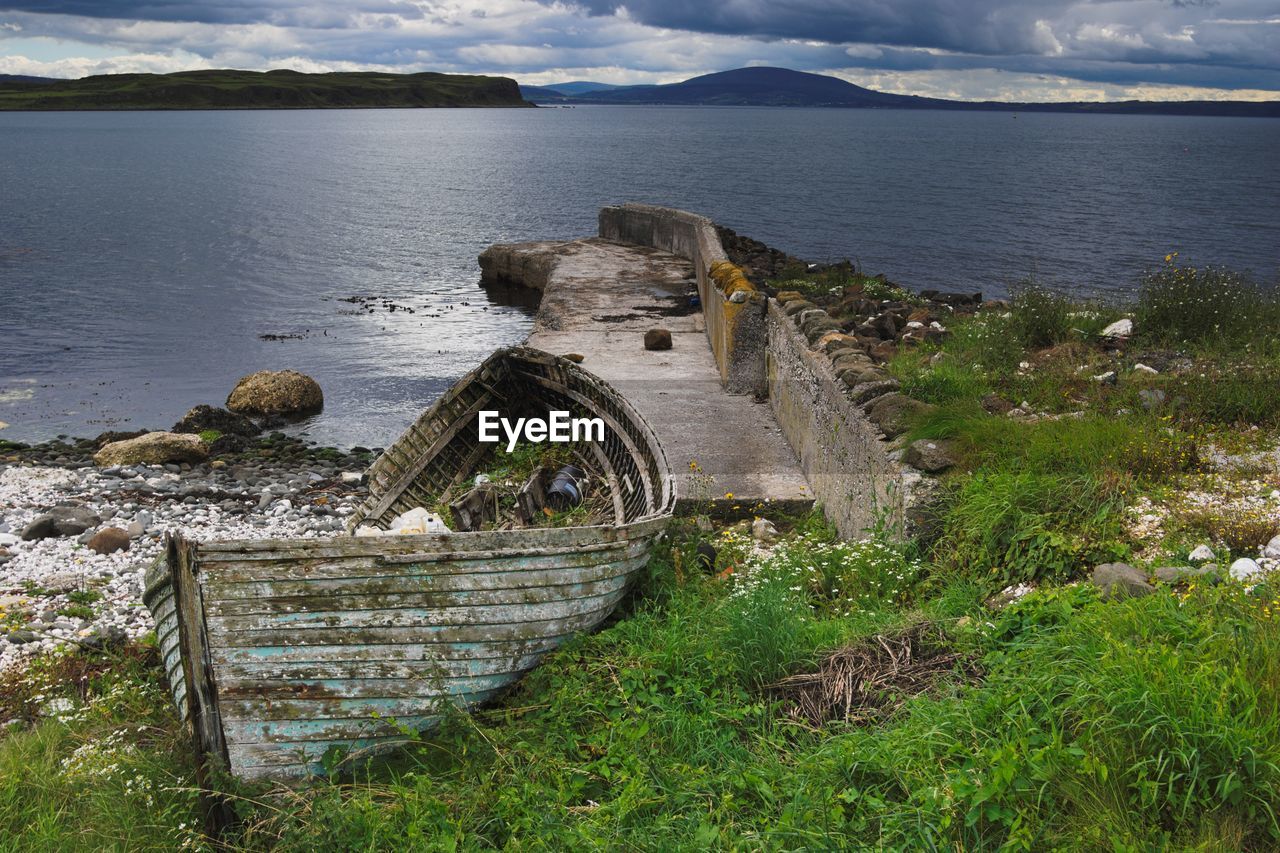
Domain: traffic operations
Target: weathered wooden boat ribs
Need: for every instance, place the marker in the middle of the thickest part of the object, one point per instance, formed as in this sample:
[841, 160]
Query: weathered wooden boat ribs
[279, 650]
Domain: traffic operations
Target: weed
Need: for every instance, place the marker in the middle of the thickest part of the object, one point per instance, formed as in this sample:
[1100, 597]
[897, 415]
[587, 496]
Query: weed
[1040, 317]
[1216, 307]
[108, 769]
[1241, 530]
[76, 611]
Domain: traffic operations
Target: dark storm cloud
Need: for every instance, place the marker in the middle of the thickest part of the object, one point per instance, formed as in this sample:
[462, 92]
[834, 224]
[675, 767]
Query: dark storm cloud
[1237, 32]
[317, 13]
[978, 27]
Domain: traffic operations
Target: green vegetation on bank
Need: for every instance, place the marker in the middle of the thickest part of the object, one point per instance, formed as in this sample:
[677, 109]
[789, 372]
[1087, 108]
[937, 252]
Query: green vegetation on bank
[1064, 720]
[282, 89]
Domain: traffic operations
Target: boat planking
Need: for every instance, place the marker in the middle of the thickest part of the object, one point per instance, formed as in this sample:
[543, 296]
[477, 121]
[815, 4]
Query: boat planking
[284, 654]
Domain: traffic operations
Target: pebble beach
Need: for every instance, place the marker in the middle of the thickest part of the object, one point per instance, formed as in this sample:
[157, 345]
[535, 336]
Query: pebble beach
[55, 590]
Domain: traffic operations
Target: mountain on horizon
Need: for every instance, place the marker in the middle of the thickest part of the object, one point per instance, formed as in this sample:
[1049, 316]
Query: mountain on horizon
[784, 87]
[759, 86]
[580, 87]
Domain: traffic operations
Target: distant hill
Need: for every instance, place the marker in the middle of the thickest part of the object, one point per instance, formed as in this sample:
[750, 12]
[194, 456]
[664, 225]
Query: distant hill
[556, 93]
[772, 87]
[580, 87]
[782, 87]
[206, 90]
[541, 94]
[23, 78]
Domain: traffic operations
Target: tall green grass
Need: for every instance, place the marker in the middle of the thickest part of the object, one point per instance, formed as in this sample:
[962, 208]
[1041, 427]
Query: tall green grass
[1044, 501]
[110, 770]
[1181, 305]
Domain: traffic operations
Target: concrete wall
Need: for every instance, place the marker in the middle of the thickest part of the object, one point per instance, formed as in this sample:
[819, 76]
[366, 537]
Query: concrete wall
[520, 264]
[852, 471]
[735, 317]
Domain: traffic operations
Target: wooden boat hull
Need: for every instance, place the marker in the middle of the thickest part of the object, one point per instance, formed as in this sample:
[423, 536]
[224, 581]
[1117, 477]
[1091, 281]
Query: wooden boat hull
[286, 655]
[347, 644]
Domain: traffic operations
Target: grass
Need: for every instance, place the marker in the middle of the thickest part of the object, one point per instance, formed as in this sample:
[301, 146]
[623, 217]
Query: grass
[1144, 724]
[1075, 722]
[1043, 498]
[109, 770]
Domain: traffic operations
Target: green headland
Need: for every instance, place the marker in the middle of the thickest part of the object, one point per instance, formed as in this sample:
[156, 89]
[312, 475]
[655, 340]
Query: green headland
[273, 90]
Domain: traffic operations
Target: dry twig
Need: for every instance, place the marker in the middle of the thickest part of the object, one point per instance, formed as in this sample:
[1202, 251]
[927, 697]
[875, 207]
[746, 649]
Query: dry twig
[868, 681]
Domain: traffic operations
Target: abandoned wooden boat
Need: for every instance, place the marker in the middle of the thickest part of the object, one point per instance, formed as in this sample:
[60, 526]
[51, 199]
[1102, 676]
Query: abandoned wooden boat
[283, 654]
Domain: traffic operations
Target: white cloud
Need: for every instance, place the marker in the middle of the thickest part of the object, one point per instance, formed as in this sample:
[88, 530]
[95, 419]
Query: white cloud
[135, 63]
[993, 85]
[864, 51]
[1057, 49]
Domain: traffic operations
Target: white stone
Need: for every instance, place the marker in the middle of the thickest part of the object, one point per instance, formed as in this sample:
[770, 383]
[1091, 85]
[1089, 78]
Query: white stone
[1244, 568]
[1201, 553]
[1119, 329]
[351, 477]
[1142, 368]
[8, 540]
[417, 521]
[763, 530]
[1105, 377]
[1272, 549]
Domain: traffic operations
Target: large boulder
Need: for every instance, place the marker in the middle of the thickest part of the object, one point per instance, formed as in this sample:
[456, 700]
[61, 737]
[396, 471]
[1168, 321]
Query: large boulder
[928, 455]
[204, 418]
[60, 521]
[276, 392]
[109, 540]
[893, 413]
[154, 448]
[1243, 569]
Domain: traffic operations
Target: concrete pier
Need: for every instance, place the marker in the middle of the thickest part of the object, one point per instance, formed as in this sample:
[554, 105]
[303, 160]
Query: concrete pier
[599, 298]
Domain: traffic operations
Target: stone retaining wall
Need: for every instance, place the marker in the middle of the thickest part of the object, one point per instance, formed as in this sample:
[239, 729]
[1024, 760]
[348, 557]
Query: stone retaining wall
[733, 308]
[835, 407]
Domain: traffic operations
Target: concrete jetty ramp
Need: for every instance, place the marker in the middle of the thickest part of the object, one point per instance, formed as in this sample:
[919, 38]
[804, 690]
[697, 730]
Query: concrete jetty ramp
[599, 298]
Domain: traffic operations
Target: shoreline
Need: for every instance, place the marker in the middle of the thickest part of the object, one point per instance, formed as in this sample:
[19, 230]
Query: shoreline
[56, 591]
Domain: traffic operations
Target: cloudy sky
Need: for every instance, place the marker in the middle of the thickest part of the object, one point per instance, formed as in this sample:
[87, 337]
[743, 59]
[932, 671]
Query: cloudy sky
[970, 49]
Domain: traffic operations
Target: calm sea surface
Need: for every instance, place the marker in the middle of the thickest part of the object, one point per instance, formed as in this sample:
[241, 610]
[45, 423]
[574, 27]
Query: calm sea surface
[143, 255]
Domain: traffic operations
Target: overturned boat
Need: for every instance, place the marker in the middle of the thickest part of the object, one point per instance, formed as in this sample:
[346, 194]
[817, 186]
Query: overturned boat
[284, 654]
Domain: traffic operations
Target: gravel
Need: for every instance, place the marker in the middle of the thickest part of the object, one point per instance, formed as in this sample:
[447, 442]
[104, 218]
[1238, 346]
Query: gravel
[56, 591]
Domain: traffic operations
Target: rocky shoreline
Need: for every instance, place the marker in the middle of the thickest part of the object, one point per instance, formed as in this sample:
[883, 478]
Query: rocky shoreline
[57, 590]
